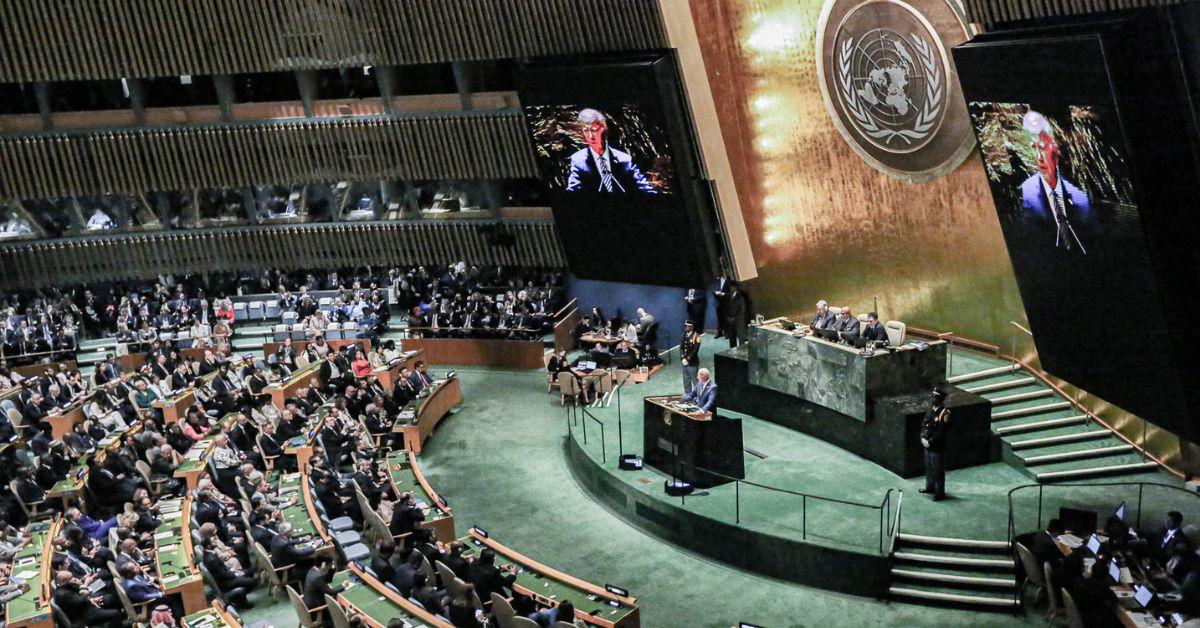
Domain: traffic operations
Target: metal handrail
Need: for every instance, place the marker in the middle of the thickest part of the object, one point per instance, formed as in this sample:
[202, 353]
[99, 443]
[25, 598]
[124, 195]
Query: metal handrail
[894, 528]
[883, 506]
[589, 415]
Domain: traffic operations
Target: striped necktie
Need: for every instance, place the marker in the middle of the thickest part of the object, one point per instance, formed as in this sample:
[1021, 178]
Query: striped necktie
[606, 178]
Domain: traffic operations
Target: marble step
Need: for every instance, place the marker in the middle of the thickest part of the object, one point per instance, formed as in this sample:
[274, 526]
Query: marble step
[954, 598]
[956, 561]
[953, 578]
[1010, 414]
[1116, 469]
[1026, 396]
[1059, 440]
[967, 377]
[1005, 385]
[950, 542]
[1082, 454]
[1041, 425]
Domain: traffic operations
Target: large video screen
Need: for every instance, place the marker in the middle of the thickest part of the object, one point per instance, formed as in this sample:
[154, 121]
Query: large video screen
[1060, 179]
[588, 149]
[613, 142]
[1081, 213]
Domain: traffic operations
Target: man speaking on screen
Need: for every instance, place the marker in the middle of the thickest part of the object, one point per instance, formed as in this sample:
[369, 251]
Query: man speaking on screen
[1048, 197]
[600, 167]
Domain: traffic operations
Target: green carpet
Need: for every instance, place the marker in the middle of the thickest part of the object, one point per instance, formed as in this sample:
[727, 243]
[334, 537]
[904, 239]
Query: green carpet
[500, 462]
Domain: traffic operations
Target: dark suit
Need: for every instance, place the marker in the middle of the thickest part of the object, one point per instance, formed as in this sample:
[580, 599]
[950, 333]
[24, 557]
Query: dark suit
[697, 303]
[284, 552]
[847, 325]
[80, 609]
[316, 587]
[1077, 208]
[585, 173]
[823, 321]
[404, 520]
[875, 331]
[227, 579]
[703, 395]
[384, 570]
[488, 579]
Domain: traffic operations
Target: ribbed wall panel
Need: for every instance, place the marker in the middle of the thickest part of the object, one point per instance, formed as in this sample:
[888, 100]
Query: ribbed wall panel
[485, 145]
[302, 247]
[109, 39]
[990, 13]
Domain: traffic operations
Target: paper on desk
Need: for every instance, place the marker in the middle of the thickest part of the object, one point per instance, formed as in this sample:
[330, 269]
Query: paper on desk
[27, 575]
[1070, 540]
[172, 515]
[171, 578]
[164, 535]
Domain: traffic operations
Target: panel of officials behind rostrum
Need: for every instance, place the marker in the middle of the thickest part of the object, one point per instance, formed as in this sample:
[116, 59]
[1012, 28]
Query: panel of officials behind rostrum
[845, 327]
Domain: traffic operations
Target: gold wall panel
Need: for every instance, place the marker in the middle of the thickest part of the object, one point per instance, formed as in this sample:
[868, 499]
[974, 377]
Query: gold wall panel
[823, 223]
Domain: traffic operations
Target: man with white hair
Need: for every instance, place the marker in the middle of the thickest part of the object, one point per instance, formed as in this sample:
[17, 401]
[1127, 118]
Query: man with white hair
[704, 393]
[600, 167]
[1046, 196]
[824, 318]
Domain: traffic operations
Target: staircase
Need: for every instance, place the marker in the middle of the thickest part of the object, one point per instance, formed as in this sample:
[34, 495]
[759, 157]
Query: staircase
[957, 572]
[1041, 432]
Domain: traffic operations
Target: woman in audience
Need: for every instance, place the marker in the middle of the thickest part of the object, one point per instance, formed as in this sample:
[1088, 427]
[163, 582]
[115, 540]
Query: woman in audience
[200, 337]
[360, 364]
[220, 335]
[462, 609]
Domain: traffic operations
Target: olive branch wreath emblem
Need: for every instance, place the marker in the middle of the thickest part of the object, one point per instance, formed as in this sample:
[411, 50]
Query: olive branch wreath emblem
[926, 117]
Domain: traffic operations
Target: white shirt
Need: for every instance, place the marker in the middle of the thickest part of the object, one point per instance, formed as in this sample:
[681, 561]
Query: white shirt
[605, 157]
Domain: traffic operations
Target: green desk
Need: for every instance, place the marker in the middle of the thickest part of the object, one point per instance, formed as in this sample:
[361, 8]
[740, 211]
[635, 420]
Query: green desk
[211, 617]
[549, 586]
[173, 555]
[377, 604]
[71, 486]
[302, 446]
[306, 527]
[32, 608]
[405, 474]
[418, 419]
[195, 463]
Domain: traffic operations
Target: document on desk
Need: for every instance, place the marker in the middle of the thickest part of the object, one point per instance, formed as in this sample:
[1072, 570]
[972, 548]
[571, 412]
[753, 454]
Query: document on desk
[1070, 540]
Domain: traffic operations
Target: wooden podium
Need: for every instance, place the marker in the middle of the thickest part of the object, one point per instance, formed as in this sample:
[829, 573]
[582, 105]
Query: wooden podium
[685, 445]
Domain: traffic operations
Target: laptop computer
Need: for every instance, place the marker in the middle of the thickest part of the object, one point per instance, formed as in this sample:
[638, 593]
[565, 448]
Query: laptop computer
[826, 334]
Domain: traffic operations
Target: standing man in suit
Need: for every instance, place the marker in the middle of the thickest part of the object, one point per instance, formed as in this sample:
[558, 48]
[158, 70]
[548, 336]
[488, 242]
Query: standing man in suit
[697, 306]
[933, 439]
[1047, 197]
[689, 356]
[704, 393]
[735, 315]
[721, 292]
[600, 167]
